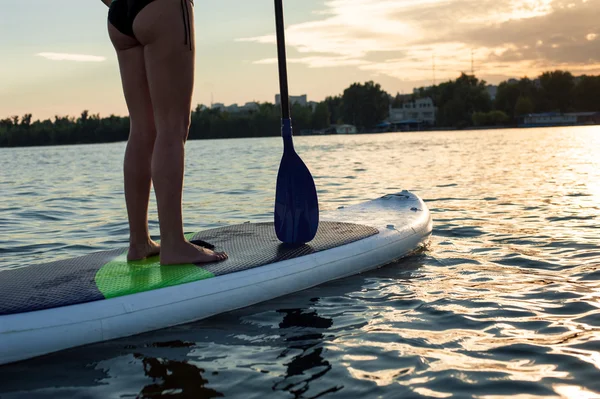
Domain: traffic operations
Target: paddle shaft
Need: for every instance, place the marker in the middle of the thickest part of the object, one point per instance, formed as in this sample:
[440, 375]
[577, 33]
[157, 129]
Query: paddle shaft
[283, 80]
[296, 203]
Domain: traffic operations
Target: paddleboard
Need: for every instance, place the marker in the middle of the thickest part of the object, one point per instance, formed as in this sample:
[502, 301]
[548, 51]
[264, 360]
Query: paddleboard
[49, 307]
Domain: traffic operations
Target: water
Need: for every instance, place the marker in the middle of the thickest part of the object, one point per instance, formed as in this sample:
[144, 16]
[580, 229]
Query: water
[504, 302]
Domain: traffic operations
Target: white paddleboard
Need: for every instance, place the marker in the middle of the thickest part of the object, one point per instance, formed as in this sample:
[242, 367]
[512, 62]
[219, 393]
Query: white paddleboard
[49, 307]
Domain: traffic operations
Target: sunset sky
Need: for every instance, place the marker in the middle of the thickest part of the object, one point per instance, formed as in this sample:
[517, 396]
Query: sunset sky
[57, 59]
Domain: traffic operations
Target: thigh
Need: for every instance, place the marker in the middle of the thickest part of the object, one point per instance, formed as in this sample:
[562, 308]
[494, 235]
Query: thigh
[132, 66]
[162, 27]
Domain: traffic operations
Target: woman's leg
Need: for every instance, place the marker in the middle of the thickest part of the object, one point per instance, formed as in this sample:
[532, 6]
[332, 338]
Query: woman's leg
[142, 136]
[162, 27]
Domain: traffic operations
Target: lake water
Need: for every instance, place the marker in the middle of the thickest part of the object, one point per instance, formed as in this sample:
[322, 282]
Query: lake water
[504, 302]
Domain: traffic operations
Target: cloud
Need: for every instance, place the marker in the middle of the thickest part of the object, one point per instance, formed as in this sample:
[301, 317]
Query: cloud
[317, 61]
[403, 38]
[71, 57]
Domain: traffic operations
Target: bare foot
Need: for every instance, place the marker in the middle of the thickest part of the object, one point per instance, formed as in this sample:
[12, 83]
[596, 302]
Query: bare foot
[186, 253]
[142, 251]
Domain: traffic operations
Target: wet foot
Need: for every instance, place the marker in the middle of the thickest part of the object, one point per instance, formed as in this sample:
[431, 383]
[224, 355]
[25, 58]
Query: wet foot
[142, 251]
[186, 253]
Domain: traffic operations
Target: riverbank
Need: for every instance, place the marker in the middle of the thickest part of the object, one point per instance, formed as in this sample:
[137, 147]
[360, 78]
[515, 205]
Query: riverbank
[123, 137]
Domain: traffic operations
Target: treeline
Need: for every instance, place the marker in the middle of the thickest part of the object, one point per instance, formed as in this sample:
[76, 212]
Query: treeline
[263, 122]
[205, 124]
[461, 103]
[466, 101]
[22, 132]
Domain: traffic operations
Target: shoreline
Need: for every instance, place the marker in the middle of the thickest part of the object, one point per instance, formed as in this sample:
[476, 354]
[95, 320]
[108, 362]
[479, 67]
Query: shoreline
[429, 130]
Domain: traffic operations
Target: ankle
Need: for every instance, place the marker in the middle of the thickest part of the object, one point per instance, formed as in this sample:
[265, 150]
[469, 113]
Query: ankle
[173, 241]
[135, 241]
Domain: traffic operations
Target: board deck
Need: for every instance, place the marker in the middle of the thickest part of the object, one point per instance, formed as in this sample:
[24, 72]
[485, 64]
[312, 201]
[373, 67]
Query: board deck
[108, 274]
[49, 307]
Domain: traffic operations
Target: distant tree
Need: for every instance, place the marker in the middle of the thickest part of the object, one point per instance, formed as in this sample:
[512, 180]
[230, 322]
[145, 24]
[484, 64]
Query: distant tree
[506, 98]
[5, 125]
[267, 121]
[458, 100]
[586, 94]
[84, 117]
[492, 118]
[557, 87]
[301, 117]
[26, 120]
[480, 118]
[321, 116]
[365, 105]
[454, 113]
[528, 88]
[523, 106]
[334, 105]
[497, 118]
[400, 99]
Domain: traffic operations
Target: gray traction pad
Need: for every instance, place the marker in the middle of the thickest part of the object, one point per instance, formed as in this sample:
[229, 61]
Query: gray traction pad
[252, 245]
[54, 284]
[249, 245]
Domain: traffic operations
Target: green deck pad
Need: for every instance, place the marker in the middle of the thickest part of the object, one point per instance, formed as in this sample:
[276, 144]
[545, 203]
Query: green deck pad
[120, 277]
[107, 274]
[249, 245]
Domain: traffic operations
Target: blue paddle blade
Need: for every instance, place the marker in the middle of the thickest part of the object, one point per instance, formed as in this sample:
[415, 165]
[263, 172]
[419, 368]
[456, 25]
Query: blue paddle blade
[296, 202]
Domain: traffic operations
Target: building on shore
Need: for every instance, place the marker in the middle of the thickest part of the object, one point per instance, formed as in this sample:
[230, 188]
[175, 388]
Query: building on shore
[301, 100]
[340, 129]
[558, 119]
[250, 107]
[492, 90]
[255, 106]
[333, 129]
[587, 118]
[345, 129]
[412, 115]
[234, 108]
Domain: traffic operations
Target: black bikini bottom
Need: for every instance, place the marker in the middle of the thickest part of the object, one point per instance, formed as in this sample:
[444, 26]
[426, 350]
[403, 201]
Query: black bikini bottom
[122, 13]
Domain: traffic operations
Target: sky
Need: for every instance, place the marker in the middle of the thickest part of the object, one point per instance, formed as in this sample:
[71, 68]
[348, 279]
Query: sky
[56, 58]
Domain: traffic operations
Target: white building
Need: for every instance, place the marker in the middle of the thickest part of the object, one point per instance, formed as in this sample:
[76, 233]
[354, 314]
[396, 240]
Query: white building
[421, 110]
[492, 91]
[234, 108]
[302, 100]
[550, 119]
[251, 106]
[345, 129]
[417, 90]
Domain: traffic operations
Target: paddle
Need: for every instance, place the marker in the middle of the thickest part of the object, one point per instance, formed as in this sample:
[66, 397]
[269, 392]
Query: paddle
[296, 202]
